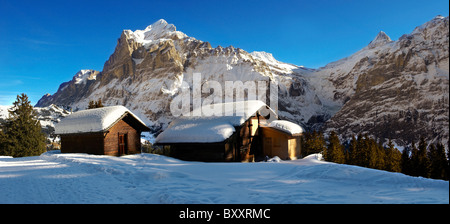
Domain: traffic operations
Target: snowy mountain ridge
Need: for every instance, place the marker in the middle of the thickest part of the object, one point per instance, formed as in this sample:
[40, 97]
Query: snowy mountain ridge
[147, 68]
[47, 116]
[83, 75]
[399, 89]
[158, 31]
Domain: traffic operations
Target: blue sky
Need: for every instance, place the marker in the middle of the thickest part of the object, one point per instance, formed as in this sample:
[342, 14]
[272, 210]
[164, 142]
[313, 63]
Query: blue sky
[44, 43]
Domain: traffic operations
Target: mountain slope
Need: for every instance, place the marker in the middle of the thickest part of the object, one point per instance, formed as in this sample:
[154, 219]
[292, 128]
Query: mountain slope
[398, 89]
[71, 91]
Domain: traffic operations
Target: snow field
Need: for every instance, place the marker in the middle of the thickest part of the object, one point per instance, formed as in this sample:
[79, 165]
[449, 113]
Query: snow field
[146, 178]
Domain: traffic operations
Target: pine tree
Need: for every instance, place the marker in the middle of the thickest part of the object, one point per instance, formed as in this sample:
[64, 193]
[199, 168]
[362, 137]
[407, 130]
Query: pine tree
[414, 162]
[335, 151]
[2, 140]
[393, 158]
[95, 104]
[363, 151]
[434, 166]
[98, 104]
[406, 161]
[448, 160]
[312, 143]
[22, 135]
[358, 156]
[423, 162]
[376, 155]
[351, 151]
[438, 162]
[306, 144]
[91, 105]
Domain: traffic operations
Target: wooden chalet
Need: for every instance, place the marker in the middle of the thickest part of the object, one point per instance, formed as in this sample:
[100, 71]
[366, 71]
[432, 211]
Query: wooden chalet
[282, 139]
[236, 137]
[111, 130]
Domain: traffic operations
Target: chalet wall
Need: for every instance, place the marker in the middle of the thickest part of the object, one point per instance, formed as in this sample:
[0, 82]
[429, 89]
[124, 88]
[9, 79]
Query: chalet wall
[91, 143]
[294, 147]
[208, 152]
[281, 144]
[249, 141]
[103, 143]
[111, 141]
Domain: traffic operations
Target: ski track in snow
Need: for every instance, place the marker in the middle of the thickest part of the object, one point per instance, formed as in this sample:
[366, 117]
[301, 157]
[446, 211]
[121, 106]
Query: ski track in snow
[145, 178]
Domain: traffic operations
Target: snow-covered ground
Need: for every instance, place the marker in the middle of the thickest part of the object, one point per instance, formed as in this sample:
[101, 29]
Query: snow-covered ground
[54, 177]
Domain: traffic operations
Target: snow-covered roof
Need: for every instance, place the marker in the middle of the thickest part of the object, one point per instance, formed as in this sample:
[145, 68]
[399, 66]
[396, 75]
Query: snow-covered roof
[93, 120]
[209, 129]
[197, 130]
[286, 126]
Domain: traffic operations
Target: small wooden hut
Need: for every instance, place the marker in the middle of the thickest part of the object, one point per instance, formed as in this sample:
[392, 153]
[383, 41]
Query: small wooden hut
[111, 130]
[283, 139]
[234, 136]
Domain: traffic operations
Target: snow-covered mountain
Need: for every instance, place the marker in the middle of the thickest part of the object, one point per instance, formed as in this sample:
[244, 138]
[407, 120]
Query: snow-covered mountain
[391, 89]
[395, 89]
[47, 116]
[71, 91]
[147, 68]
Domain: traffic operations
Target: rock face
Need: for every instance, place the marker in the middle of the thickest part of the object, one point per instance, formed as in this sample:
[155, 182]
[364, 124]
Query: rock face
[71, 91]
[391, 89]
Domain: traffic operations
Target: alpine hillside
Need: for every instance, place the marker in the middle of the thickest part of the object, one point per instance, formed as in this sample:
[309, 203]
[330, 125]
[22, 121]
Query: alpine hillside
[395, 89]
[390, 89]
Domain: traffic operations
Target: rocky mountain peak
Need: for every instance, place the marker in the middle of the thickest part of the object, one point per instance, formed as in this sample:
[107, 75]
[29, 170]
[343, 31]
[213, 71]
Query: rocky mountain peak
[84, 75]
[161, 25]
[381, 39]
[158, 31]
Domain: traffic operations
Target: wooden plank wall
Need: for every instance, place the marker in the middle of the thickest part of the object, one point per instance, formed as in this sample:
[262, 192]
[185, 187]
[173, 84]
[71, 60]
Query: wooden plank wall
[278, 143]
[112, 139]
[91, 143]
[208, 152]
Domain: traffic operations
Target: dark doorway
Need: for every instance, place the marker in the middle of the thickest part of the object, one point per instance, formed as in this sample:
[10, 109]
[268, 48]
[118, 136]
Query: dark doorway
[123, 146]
